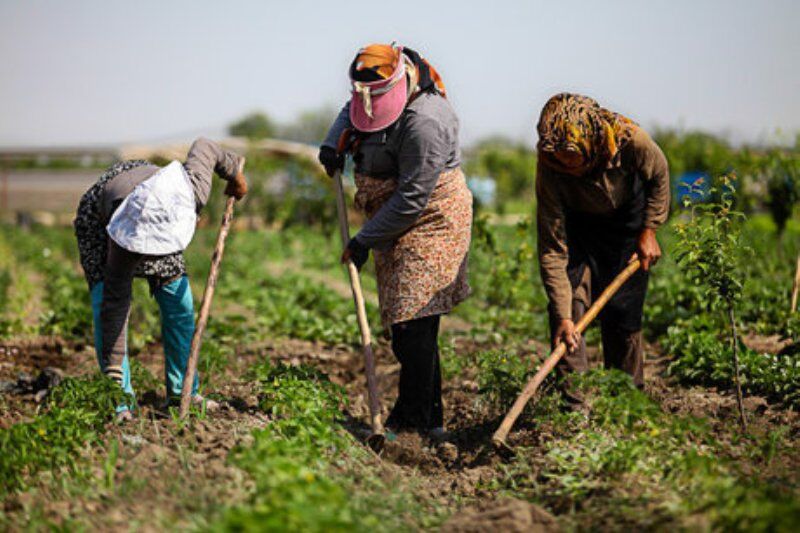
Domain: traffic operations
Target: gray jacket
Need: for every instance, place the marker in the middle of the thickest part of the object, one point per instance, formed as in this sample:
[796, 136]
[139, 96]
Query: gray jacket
[415, 150]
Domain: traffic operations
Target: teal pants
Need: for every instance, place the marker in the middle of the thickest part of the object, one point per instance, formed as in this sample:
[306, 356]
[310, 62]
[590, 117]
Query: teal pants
[177, 328]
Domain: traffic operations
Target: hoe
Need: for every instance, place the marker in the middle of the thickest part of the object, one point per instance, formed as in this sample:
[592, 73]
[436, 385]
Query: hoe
[377, 438]
[205, 307]
[499, 437]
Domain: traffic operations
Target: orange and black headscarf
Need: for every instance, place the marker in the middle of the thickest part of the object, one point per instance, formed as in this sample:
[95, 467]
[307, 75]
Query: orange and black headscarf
[379, 61]
[572, 122]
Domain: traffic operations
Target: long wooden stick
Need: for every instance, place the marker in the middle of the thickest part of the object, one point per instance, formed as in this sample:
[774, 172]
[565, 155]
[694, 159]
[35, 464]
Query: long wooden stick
[361, 314]
[499, 437]
[796, 285]
[205, 308]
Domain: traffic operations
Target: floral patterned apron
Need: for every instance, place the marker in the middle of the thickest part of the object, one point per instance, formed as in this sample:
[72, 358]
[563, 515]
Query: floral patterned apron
[424, 272]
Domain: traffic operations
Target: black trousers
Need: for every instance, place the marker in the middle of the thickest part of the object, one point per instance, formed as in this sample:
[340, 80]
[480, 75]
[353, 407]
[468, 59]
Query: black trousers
[622, 349]
[419, 401]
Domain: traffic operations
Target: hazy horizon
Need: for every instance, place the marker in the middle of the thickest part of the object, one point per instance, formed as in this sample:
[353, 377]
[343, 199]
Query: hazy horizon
[93, 72]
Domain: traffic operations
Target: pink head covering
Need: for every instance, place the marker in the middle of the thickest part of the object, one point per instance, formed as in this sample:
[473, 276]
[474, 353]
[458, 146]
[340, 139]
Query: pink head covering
[376, 105]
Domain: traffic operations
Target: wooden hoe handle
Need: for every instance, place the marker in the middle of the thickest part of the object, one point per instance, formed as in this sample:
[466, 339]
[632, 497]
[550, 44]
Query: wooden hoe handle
[549, 364]
[361, 313]
[205, 308]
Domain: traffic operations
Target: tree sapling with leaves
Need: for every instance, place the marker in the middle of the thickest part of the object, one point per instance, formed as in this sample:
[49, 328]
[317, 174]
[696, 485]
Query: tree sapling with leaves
[709, 251]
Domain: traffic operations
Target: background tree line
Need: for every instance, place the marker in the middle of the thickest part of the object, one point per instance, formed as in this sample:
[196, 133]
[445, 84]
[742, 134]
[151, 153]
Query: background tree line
[767, 177]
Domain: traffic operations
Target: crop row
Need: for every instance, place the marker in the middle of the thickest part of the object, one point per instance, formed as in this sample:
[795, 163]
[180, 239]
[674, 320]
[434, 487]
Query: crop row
[508, 302]
[309, 473]
[630, 452]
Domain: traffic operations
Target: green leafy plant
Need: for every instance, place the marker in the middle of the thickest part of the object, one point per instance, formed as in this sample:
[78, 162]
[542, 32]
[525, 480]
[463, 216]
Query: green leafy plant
[74, 417]
[501, 376]
[636, 462]
[300, 463]
[508, 298]
[702, 359]
[632, 453]
[710, 248]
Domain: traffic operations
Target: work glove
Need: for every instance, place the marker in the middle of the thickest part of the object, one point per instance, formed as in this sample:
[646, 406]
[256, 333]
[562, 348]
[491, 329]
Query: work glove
[331, 160]
[355, 252]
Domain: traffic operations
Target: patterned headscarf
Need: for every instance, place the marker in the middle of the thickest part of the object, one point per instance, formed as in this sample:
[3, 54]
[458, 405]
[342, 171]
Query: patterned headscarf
[576, 123]
[375, 62]
[379, 61]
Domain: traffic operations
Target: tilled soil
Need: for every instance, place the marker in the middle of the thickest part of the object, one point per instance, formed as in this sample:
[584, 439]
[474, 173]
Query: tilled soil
[21, 363]
[172, 461]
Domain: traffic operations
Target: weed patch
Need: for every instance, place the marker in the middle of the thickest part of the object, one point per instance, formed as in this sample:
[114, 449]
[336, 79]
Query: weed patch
[703, 359]
[303, 464]
[74, 417]
[630, 452]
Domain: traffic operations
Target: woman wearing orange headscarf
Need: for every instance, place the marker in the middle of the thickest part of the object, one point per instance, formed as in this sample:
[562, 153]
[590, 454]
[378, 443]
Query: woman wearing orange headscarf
[419, 210]
[602, 188]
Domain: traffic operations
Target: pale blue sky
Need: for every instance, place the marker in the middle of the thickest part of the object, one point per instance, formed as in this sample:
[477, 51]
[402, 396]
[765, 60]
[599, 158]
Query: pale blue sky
[109, 71]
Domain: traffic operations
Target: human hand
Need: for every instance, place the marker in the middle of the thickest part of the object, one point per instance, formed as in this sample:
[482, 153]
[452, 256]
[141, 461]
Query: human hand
[237, 187]
[647, 249]
[567, 333]
[331, 160]
[355, 252]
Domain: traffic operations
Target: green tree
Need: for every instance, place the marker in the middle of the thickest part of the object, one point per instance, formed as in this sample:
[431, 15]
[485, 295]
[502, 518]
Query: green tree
[512, 166]
[783, 187]
[256, 125]
[309, 126]
[709, 252]
[695, 151]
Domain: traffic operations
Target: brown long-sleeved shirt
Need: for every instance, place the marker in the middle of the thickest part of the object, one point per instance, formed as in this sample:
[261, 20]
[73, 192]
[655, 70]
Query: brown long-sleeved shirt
[601, 193]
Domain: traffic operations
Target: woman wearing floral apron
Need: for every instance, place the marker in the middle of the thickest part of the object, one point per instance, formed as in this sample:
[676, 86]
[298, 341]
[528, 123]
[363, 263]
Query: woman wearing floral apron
[419, 210]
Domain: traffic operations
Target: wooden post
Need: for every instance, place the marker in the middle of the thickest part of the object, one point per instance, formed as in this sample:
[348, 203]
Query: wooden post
[499, 437]
[205, 308]
[795, 286]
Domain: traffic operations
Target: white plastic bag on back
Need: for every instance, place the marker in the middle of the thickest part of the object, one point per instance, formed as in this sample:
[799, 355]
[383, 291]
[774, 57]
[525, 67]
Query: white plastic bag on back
[158, 217]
